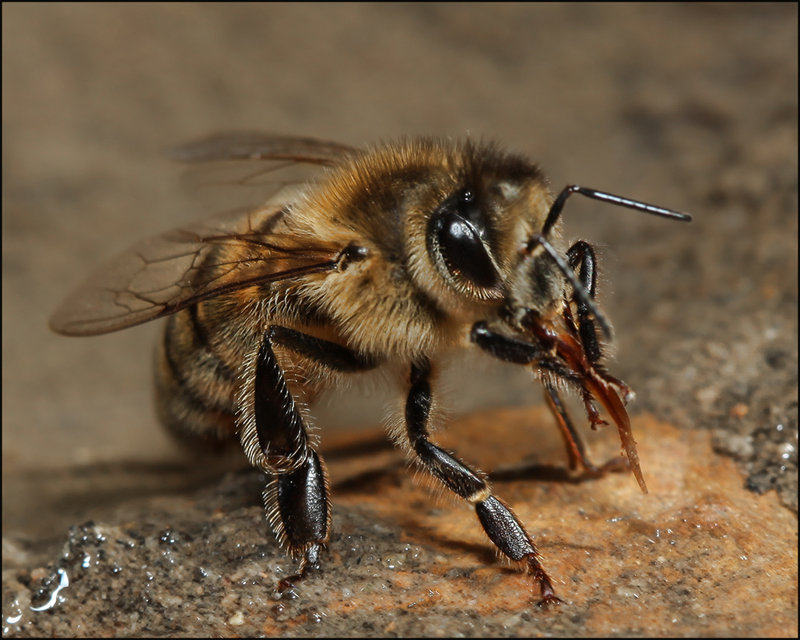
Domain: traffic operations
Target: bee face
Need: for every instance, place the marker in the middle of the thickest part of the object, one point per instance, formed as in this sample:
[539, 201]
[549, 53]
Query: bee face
[394, 255]
[466, 228]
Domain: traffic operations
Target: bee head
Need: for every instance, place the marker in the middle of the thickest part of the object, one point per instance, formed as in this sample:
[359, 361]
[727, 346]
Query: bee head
[495, 239]
[476, 212]
[477, 236]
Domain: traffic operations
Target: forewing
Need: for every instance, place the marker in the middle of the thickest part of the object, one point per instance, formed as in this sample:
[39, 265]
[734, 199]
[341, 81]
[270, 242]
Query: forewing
[242, 145]
[165, 273]
[250, 167]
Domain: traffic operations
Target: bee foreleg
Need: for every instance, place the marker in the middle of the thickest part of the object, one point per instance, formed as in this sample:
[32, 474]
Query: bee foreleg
[576, 451]
[499, 523]
[510, 349]
[516, 351]
[582, 258]
[505, 347]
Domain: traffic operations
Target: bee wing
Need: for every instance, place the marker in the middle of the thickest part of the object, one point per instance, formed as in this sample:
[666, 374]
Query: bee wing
[166, 273]
[243, 145]
[251, 166]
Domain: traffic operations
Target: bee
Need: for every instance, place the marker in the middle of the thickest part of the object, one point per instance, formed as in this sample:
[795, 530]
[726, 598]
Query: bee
[393, 256]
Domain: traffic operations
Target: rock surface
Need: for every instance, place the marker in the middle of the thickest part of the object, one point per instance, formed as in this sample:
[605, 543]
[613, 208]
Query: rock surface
[699, 554]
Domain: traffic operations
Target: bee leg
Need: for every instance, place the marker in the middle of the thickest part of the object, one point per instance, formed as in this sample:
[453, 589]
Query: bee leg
[521, 352]
[296, 496]
[576, 451]
[499, 523]
[299, 509]
[582, 258]
[516, 351]
[332, 355]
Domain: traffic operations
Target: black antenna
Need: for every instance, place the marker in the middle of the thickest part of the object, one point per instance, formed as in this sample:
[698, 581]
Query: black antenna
[558, 205]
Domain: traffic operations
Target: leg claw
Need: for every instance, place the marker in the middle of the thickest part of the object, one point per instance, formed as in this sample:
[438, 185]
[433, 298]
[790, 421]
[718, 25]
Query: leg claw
[548, 601]
[309, 564]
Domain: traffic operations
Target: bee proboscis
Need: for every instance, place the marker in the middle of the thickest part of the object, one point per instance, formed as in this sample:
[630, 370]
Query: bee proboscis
[393, 256]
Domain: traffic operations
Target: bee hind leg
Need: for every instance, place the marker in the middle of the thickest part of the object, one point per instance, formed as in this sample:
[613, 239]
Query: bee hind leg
[275, 439]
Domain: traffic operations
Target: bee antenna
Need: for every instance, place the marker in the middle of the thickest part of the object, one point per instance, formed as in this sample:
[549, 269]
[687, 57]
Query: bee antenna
[580, 290]
[566, 192]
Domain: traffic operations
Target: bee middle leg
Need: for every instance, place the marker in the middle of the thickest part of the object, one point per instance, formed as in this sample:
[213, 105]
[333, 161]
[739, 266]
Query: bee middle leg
[500, 524]
[297, 495]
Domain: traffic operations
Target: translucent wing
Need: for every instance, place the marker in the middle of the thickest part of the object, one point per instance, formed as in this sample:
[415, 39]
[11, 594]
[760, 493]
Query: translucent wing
[165, 273]
[242, 145]
[250, 167]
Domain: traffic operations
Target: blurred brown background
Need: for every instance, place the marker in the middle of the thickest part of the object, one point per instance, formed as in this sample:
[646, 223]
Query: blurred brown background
[692, 106]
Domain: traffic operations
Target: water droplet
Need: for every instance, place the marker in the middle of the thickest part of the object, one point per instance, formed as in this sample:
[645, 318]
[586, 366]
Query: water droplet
[62, 584]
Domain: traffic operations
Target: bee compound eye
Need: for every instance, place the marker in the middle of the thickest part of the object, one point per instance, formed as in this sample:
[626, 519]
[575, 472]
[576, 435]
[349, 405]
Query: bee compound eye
[463, 251]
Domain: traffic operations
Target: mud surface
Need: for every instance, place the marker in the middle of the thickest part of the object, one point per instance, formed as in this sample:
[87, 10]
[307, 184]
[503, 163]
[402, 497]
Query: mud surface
[689, 106]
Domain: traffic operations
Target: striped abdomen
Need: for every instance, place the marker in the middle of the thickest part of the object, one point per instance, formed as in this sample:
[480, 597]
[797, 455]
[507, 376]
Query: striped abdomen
[196, 377]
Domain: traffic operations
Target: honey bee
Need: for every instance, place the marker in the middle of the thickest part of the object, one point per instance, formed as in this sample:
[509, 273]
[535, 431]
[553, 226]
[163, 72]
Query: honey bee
[391, 257]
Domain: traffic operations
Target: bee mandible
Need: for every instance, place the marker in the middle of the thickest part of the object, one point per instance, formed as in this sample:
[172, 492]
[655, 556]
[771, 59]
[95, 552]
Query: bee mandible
[392, 257]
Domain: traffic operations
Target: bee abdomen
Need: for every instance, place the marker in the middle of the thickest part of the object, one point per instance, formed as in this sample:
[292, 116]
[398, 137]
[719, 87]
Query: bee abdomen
[195, 385]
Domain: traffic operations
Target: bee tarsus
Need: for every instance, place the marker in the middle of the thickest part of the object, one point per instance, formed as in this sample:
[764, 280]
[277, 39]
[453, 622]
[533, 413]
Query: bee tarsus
[310, 563]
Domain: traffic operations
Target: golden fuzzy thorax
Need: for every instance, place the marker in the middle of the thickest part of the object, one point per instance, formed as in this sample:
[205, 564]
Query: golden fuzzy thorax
[398, 302]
